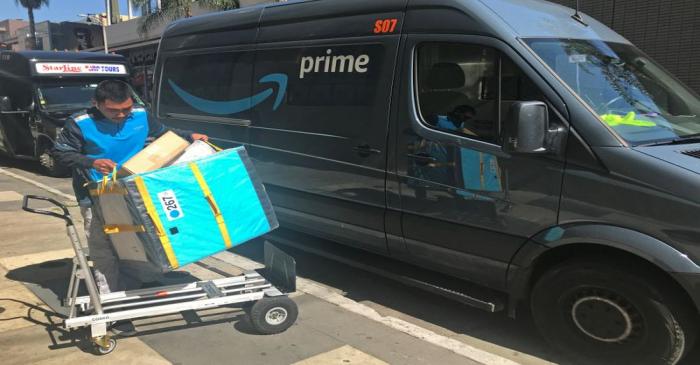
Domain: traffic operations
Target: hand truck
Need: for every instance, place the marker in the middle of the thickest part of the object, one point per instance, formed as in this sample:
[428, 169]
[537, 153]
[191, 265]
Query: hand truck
[261, 293]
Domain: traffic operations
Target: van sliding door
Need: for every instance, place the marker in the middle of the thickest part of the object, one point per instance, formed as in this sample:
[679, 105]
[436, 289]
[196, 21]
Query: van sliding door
[208, 92]
[319, 140]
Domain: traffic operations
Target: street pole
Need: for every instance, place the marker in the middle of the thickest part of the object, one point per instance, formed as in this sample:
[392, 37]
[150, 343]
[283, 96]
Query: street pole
[108, 11]
[104, 35]
[130, 8]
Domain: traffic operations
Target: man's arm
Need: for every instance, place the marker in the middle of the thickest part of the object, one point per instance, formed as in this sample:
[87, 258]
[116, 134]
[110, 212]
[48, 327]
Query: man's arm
[68, 148]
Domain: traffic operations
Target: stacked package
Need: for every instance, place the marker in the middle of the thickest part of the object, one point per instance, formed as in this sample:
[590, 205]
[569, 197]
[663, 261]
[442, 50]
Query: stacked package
[176, 215]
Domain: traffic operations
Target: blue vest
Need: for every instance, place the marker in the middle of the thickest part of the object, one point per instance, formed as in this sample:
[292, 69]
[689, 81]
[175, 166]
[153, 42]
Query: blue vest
[115, 141]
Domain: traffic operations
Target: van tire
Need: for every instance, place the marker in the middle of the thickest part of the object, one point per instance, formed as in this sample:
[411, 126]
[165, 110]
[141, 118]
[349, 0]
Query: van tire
[50, 166]
[600, 313]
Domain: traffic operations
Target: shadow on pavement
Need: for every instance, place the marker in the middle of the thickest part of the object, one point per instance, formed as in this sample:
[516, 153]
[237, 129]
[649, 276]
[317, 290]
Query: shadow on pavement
[53, 324]
[49, 281]
[26, 165]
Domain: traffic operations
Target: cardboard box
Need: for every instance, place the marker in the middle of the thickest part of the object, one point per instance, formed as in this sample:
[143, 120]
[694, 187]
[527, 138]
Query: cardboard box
[161, 152]
[197, 150]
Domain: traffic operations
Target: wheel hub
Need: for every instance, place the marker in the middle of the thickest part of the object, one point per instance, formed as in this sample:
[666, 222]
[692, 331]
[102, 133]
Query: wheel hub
[276, 316]
[46, 160]
[604, 319]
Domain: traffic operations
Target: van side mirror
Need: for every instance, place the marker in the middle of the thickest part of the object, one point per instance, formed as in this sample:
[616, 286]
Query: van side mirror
[5, 104]
[526, 128]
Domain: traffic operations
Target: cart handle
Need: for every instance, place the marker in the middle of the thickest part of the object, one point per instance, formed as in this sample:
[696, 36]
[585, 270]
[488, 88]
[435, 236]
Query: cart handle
[65, 216]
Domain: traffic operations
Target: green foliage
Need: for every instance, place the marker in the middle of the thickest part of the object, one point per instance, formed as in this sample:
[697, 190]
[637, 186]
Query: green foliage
[175, 9]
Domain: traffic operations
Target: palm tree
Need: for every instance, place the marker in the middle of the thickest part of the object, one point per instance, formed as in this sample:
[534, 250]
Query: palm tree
[31, 5]
[175, 9]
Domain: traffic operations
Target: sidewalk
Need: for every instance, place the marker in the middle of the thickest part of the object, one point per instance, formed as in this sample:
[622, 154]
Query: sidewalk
[34, 269]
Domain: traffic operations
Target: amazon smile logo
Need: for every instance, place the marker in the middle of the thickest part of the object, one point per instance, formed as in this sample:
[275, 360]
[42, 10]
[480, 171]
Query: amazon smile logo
[239, 105]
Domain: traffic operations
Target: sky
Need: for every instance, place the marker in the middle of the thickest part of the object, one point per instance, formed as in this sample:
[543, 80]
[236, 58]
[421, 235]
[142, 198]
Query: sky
[58, 10]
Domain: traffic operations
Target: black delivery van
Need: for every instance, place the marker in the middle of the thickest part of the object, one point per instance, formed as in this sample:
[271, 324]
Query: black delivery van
[516, 144]
[39, 90]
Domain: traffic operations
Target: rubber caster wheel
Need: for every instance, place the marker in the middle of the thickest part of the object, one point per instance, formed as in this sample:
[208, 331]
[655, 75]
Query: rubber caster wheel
[105, 346]
[273, 315]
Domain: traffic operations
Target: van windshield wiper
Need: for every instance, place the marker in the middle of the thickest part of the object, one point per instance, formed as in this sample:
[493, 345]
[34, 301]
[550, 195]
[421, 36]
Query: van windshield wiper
[690, 138]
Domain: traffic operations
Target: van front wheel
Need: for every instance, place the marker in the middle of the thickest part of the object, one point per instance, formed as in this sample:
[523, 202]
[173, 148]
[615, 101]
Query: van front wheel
[602, 314]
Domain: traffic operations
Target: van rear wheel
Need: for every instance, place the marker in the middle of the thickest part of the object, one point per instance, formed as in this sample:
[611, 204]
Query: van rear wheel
[598, 313]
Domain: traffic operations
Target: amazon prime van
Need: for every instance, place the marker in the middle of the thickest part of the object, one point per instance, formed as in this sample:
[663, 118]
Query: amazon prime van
[509, 143]
[40, 90]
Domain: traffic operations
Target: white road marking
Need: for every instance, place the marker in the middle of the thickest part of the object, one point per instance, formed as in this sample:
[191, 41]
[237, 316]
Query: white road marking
[38, 184]
[341, 356]
[9, 196]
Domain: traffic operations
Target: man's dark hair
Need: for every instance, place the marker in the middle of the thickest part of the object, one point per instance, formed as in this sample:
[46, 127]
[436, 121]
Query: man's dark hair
[457, 114]
[114, 90]
[461, 109]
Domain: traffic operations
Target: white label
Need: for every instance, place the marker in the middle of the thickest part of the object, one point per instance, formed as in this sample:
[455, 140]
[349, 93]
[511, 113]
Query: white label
[170, 205]
[79, 68]
[577, 58]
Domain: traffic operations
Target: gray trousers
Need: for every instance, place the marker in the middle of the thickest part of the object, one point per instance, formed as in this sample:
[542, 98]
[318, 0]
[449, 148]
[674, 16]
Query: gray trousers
[110, 273]
[105, 262]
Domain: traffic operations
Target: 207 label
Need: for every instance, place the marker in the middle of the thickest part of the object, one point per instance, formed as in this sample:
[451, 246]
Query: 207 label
[382, 26]
[170, 205]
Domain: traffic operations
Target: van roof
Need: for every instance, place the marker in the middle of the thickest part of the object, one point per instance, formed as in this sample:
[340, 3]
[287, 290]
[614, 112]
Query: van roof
[506, 19]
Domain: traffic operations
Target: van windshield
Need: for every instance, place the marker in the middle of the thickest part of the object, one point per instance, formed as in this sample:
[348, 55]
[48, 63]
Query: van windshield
[66, 96]
[633, 95]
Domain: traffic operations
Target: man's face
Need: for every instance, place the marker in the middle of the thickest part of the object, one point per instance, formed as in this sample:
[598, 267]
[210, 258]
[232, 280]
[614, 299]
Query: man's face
[462, 116]
[116, 111]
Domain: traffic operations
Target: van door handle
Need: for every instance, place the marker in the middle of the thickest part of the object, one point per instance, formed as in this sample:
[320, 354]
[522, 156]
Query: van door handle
[365, 150]
[422, 158]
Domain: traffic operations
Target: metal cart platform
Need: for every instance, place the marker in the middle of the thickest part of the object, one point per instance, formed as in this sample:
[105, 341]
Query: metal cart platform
[262, 293]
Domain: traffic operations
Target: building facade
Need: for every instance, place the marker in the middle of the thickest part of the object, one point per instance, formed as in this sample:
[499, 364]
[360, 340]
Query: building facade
[8, 32]
[64, 36]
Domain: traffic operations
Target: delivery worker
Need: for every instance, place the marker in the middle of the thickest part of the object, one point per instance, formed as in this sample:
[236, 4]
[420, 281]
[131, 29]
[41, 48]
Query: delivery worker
[92, 143]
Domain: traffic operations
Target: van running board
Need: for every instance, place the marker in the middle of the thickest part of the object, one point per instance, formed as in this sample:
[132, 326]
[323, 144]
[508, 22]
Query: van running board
[449, 287]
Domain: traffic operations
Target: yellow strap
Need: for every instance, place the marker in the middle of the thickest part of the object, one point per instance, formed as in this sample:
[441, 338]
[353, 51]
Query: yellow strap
[151, 209]
[215, 147]
[122, 228]
[212, 203]
[102, 188]
[113, 190]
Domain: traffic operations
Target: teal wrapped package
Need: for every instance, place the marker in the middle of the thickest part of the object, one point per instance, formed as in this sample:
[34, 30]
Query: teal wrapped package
[186, 212]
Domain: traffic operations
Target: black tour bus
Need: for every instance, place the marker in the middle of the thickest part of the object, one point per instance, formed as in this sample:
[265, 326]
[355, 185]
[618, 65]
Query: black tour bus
[514, 144]
[39, 90]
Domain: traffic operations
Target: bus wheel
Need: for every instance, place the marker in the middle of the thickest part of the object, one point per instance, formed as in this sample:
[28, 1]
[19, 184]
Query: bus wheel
[49, 164]
[600, 313]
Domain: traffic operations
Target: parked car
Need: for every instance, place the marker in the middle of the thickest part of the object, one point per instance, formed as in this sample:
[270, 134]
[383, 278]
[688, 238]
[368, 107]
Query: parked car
[39, 90]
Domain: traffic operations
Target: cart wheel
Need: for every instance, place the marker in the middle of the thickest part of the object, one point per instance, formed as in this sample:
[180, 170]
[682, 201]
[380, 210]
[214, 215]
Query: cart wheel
[273, 315]
[104, 346]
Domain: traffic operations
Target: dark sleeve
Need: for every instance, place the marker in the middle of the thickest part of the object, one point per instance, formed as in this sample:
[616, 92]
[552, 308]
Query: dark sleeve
[68, 149]
[157, 129]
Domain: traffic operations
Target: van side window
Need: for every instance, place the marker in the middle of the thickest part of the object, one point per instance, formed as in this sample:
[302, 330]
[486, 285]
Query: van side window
[206, 84]
[468, 89]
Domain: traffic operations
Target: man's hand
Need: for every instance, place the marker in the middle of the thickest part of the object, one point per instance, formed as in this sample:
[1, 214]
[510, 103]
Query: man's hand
[199, 137]
[104, 165]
